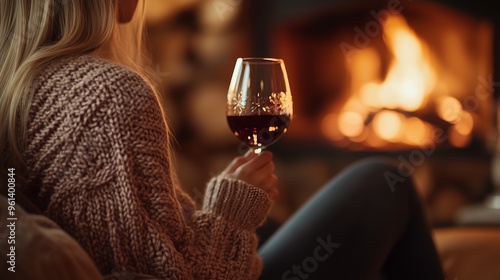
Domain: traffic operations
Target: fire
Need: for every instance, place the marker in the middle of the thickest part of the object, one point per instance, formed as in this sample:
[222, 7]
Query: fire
[387, 109]
[410, 78]
[387, 125]
[449, 109]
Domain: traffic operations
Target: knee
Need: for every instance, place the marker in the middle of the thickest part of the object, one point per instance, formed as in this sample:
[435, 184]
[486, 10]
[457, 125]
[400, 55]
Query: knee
[376, 164]
[385, 171]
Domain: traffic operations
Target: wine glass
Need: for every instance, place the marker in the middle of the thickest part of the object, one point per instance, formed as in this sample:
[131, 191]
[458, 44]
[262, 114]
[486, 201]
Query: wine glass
[259, 102]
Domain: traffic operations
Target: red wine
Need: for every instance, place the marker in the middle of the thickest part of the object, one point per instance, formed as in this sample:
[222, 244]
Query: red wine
[259, 130]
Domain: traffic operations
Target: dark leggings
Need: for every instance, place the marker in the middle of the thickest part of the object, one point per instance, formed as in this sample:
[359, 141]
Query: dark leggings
[359, 226]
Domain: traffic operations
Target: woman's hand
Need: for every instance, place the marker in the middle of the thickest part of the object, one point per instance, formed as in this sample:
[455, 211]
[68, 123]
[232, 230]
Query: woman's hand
[255, 169]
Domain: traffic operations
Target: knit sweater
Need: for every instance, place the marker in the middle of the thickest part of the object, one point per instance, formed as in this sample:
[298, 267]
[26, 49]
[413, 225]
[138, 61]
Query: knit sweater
[98, 164]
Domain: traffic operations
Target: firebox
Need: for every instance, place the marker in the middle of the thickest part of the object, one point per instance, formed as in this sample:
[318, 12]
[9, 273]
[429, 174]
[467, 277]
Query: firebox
[387, 75]
[413, 80]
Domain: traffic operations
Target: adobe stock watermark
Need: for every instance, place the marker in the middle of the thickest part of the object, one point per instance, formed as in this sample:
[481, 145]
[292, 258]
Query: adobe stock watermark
[372, 29]
[417, 157]
[309, 265]
[407, 165]
[484, 91]
[223, 7]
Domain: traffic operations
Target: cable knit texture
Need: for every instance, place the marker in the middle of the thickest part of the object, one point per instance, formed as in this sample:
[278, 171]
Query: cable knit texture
[98, 164]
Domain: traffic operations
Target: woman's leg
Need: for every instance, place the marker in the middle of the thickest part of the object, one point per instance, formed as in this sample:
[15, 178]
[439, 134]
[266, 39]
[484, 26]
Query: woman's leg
[356, 227]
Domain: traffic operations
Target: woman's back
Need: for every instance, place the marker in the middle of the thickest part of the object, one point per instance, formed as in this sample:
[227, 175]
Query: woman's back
[72, 101]
[99, 165]
[82, 131]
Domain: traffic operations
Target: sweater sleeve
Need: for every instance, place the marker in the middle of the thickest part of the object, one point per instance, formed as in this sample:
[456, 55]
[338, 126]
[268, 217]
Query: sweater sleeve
[116, 196]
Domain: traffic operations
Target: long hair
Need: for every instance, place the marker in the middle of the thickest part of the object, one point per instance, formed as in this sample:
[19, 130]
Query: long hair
[35, 33]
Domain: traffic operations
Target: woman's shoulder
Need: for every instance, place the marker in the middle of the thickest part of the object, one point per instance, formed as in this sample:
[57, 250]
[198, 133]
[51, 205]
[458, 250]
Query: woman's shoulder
[84, 87]
[87, 71]
[84, 78]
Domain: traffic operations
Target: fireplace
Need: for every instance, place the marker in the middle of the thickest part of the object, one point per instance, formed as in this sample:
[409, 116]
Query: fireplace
[387, 75]
[412, 80]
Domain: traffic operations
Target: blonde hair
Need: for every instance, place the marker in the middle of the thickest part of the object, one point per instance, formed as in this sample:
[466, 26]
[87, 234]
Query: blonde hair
[35, 33]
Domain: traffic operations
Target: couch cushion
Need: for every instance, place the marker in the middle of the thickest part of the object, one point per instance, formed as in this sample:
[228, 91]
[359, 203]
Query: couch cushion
[469, 252]
[42, 251]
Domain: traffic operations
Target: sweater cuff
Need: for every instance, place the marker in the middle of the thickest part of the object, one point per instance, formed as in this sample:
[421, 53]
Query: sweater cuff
[239, 202]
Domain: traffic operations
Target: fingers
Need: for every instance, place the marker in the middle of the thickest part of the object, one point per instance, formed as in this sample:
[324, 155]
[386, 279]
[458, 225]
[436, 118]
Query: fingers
[270, 185]
[235, 163]
[238, 161]
[263, 173]
[255, 169]
[256, 162]
[273, 194]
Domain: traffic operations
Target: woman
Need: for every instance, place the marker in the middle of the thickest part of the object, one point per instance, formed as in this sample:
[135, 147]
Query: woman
[81, 122]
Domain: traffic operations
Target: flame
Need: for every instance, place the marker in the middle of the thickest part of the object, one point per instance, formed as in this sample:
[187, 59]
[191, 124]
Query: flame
[449, 109]
[465, 124]
[351, 124]
[387, 125]
[417, 132]
[410, 78]
[386, 109]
